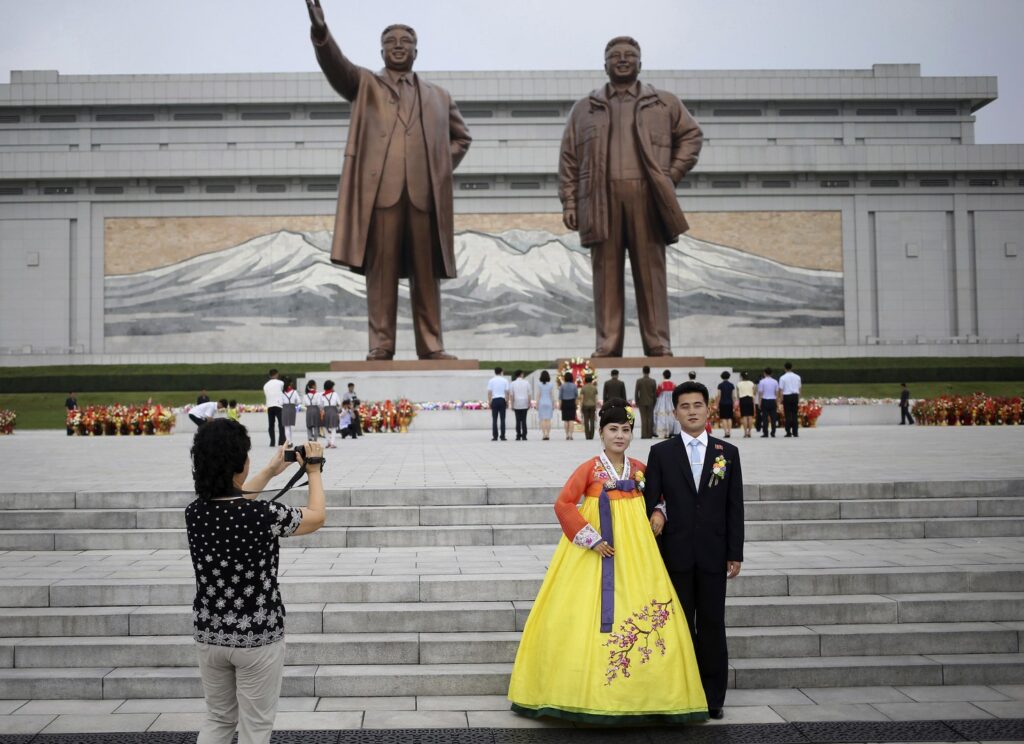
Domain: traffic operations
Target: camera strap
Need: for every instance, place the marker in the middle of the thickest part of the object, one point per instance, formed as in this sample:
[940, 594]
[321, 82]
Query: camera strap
[287, 487]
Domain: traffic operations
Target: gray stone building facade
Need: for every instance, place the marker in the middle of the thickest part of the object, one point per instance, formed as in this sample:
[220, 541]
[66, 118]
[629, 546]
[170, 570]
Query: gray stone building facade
[185, 217]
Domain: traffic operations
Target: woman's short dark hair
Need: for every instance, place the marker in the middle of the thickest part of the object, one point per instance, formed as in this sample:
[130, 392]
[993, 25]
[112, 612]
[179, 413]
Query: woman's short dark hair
[690, 386]
[544, 376]
[667, 374]
[219, 450]
[329, 385]
[744, 376]
[726, 375]
[614, 412]
[568, 377]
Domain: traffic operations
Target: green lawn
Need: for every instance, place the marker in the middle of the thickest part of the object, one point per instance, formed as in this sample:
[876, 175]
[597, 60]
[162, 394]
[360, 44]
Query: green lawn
[46, 410]
[917, 390]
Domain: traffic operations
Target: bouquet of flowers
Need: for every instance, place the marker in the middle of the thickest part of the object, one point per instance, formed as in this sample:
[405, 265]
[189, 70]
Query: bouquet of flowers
[7, 421]
[579, 367]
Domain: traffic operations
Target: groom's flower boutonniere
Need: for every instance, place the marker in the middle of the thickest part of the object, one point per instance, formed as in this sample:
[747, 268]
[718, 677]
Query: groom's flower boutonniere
[718, 468]
[638, 476]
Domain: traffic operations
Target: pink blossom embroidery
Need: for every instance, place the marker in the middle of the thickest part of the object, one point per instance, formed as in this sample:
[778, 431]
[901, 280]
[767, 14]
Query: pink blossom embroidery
[641, 628]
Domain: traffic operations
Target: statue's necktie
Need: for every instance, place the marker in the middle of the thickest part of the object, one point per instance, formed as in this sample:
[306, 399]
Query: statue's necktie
[695, 463]
[405, 96]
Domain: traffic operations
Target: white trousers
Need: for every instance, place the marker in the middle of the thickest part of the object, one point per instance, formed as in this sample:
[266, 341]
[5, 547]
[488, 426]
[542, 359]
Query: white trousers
[242, 688]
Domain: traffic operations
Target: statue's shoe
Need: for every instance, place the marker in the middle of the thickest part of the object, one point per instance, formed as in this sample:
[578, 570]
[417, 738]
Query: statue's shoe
[380, 355]
[437, 355]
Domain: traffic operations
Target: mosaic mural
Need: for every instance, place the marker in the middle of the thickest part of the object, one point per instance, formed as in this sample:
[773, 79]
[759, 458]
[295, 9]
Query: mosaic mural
[266, 283]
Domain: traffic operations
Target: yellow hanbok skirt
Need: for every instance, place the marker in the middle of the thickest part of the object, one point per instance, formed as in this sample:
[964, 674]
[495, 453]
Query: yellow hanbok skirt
[644, 671]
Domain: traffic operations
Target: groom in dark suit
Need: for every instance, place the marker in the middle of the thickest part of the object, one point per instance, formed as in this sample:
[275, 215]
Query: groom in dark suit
[694, 497]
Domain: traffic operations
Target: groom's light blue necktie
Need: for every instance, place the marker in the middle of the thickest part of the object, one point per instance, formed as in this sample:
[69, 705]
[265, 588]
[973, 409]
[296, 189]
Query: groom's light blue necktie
[695, 463]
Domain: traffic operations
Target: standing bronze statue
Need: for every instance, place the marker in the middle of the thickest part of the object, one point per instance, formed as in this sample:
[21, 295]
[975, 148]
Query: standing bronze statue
[624, 149]
[394, 217]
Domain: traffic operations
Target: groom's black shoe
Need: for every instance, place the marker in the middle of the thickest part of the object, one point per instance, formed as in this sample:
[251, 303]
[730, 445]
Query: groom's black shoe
[716, 713]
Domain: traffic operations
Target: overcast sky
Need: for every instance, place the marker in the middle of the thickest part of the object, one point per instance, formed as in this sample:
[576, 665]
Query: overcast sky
[947, 37]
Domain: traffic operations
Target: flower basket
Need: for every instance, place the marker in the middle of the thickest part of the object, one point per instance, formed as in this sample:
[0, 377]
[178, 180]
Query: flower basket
[121, 420]
[8, 419]
[977, 409]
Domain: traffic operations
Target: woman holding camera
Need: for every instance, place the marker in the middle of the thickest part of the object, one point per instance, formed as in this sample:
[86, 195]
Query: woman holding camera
[238, 614]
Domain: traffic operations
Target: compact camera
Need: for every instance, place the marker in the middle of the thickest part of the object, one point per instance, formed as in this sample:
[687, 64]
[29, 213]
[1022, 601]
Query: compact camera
[290, 454]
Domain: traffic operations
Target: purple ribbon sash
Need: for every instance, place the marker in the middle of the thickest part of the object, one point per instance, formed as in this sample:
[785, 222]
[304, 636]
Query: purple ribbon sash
[604, 507]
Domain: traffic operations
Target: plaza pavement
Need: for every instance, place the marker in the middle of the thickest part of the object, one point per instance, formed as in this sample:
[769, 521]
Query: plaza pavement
[49, 461]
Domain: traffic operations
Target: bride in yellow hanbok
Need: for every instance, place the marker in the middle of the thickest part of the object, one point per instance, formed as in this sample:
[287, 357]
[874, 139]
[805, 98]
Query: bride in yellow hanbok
[606, 641]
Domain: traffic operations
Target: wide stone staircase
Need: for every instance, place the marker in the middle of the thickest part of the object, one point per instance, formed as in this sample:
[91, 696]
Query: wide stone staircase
[425, 591]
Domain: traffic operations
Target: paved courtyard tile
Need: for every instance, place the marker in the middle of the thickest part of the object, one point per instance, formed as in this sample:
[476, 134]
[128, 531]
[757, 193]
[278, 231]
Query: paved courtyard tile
[468, 458]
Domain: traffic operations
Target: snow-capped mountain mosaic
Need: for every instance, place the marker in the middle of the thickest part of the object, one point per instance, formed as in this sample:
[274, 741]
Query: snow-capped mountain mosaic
[527, 289]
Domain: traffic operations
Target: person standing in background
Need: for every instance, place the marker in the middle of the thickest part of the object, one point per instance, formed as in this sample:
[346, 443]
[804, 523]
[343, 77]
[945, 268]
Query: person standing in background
[588, 404]
[789, 384]
[905, 416]
[497, 399]
[767, 394]
[567, 395]
[313, 402]
[289, 405]
[614, 388]
[724, 402]
[70, 404]
[272, 392]
[202, 397]
[332, 413]
[645, 395]
[746, 390]
[545, 403]
[520, 390]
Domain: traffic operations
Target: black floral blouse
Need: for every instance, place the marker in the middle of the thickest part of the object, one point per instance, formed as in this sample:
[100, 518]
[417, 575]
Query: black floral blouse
[235, 551]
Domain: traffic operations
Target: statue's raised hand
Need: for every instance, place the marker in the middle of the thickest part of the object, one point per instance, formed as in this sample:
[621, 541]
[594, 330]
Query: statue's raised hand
[316, 17]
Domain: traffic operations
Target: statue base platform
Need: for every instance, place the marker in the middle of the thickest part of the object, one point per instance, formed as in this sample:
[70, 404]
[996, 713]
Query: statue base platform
[406, 365]
[652, 362]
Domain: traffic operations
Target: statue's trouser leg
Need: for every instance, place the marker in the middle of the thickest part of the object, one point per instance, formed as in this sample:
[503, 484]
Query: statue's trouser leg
[608, 260]
[646, 249]
[422, 257]
[383, 265]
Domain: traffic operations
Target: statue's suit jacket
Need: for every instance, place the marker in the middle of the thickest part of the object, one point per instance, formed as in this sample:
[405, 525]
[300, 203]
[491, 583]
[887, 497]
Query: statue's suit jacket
[373, 124]
[705, 524]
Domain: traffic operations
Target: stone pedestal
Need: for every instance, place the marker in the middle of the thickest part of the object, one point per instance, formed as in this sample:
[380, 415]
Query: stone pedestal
[406, 365]
[672, 362]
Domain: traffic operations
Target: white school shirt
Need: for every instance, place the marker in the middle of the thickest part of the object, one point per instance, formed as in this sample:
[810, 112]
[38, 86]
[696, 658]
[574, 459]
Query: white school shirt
[789, 383]
[289, 397]
[331, 399]
[498, 387]
[313, 399]
[272, 392]
[520, 393]
[204, 410]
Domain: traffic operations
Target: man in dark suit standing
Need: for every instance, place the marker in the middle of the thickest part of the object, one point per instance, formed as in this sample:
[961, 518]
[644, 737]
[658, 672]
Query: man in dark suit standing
[395, 216]
[645, 395]
[614, 388]
[694, 498]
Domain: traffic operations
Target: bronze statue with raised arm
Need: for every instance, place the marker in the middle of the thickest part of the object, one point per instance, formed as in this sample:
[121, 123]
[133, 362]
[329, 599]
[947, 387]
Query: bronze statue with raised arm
[624, 149]
[394, 217]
